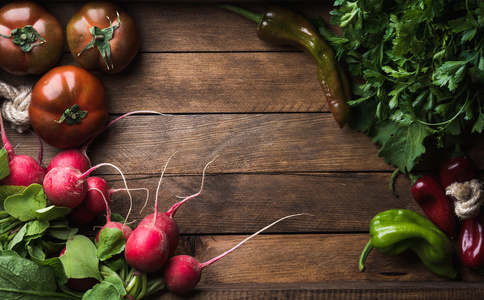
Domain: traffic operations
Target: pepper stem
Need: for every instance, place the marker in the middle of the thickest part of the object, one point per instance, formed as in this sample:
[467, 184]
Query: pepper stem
[243, 12]
[413, 178]
[391, 184]
[364, 255]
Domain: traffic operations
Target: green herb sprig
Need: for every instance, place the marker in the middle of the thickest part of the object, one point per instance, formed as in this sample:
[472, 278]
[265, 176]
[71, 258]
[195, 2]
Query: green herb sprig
[422, 65]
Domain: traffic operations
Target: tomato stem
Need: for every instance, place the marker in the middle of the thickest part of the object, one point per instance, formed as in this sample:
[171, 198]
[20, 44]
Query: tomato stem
[100, 39]
[26, 37]
[73, 115]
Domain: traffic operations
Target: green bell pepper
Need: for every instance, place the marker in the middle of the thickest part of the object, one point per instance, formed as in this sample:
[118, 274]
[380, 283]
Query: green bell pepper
[396, 230]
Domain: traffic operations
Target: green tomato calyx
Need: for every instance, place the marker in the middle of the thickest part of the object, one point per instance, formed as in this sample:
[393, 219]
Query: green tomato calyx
[26, 38]
[73, 115]
[100, 39]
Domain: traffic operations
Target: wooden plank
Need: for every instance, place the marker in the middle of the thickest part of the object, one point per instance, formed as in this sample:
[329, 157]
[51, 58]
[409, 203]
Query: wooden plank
[210, 83]
[243, 143]
[218, 83]
[244, 203]
[292, 258]
[336, 290]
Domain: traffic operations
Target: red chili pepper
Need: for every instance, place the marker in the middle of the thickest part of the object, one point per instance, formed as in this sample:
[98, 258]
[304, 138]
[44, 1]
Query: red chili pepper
[430, 196]
[456, 169]
[472, 242]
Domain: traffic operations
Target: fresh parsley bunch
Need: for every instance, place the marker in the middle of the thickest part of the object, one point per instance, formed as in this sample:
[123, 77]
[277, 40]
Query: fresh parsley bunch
[422, 65]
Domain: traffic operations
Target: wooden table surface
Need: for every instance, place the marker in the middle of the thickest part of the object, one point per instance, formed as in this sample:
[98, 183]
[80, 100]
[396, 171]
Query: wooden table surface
[257, 108]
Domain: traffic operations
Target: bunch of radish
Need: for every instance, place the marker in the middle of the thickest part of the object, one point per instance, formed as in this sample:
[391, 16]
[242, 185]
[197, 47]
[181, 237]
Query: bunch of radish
[157, 235]
[150, 247]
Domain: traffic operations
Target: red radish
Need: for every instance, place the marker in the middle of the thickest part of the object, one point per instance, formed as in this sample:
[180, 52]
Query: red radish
[67, 186]
[99, 192]
[147, 247]
[24, 170]
[77, 157]
[81, 215]
[91, 205]
[182, 273]
[165, 221]
[121, 226]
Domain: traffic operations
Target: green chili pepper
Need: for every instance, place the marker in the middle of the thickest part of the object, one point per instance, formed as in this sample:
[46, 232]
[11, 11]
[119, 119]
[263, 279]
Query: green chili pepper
[396, 230]
[282, 26]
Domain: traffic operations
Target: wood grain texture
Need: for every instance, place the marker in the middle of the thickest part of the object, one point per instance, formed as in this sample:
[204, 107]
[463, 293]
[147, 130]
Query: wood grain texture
[257, 108]
[305, 258]
[242, 143]
[244, 203]
[210, 83]
[337, 290]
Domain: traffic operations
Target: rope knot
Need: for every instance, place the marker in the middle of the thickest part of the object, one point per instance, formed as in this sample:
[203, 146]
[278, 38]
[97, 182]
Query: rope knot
[468, 198]
[15, 106]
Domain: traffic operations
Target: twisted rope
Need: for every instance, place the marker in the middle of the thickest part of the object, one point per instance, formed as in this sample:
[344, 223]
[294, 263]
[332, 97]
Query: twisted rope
[468, 196]
[15, 106]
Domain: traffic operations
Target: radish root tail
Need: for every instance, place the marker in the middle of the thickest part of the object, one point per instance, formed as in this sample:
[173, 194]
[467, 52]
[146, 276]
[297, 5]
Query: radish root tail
[174, 208]
[159, 185]
[207, 263]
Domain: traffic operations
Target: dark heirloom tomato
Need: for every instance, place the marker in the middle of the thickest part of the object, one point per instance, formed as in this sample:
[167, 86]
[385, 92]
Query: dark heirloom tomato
[68, 106]
[103, 37]
[31, 39]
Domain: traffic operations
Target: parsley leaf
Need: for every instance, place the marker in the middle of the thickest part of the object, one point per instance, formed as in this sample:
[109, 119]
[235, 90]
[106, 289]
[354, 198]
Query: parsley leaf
[401, 146]
[422, 67]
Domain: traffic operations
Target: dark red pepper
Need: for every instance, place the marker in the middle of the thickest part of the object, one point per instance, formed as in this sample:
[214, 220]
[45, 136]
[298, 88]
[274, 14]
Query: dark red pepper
[472, 242]
[431, 197]
[456, 169]
[461, 169]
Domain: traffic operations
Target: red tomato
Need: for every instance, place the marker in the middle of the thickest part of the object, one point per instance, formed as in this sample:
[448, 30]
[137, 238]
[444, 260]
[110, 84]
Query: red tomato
[31, 39]
[103, 37]
[68, 106]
